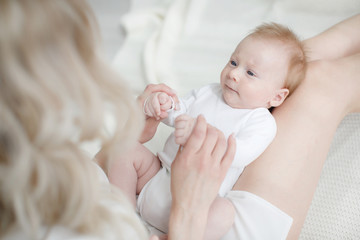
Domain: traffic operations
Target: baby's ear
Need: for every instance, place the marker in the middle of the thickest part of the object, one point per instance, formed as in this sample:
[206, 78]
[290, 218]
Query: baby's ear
[279, 97]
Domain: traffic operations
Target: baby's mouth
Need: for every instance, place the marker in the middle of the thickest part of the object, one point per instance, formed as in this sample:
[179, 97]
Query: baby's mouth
[231, 89]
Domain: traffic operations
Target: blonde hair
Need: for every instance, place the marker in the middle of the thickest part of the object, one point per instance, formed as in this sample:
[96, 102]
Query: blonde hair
[55, 93]
[294, 47]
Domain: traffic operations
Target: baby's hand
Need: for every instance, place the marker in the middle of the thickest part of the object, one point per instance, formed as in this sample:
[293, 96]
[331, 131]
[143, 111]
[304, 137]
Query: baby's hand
[184, 125]
[157, 105]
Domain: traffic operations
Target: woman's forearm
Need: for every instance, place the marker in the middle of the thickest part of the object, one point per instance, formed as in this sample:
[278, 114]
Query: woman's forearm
[343, 39]
[197, 172]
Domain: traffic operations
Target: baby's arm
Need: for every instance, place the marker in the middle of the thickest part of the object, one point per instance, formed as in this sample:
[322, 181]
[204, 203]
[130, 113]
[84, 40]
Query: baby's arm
[184, 125]
[157, 105]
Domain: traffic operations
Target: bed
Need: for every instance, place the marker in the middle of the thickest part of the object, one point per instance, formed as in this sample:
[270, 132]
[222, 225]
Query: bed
[185, 44]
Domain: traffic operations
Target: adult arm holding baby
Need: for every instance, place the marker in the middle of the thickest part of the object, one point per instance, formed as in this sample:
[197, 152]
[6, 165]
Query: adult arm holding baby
[198, 169]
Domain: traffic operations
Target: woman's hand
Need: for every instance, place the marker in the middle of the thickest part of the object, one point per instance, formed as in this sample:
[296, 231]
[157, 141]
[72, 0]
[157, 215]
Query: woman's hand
[151, 124]
[196, 175]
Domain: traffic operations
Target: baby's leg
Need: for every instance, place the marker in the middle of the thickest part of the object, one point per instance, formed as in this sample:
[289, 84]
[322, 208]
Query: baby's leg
[220, 219]
[132, 171]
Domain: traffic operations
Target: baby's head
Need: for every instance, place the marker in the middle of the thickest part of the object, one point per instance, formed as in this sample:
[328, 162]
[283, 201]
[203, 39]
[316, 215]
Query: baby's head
[265, 68]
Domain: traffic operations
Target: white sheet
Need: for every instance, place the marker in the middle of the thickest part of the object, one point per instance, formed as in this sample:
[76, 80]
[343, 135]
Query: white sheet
[185, 44]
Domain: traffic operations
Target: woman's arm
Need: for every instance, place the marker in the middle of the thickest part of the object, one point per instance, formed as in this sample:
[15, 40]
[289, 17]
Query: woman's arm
[343, 39]
[197, 173]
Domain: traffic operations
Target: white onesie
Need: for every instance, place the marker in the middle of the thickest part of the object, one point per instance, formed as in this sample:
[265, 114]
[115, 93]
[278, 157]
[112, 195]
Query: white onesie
[254, 130]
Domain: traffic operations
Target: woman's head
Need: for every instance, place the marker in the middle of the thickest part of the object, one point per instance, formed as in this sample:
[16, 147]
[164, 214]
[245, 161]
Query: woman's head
[55, 94]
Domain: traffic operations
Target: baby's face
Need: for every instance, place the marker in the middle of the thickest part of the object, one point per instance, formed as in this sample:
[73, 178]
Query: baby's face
[257, 68]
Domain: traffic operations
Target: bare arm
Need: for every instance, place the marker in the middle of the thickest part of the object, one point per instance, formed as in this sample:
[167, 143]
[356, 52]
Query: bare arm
[197, 173]
[343, 39]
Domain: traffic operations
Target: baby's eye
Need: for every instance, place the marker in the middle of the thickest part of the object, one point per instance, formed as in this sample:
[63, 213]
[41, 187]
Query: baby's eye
[232, 62]
[250, 73]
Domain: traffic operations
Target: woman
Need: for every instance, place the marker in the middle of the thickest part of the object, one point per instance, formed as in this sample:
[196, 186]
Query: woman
[56, 93]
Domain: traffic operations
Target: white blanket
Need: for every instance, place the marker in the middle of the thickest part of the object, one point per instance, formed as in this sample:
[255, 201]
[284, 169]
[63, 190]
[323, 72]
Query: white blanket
[186, 43]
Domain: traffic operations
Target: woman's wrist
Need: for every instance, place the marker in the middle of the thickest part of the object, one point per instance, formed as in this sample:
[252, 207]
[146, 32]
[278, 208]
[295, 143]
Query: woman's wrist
[187, 223]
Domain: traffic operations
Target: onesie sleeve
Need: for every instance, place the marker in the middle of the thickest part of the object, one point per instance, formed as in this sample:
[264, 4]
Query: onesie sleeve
[184, 104]
[254, 137]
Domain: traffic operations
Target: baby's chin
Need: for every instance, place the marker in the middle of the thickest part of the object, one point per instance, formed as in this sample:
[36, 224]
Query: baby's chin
[230, 101]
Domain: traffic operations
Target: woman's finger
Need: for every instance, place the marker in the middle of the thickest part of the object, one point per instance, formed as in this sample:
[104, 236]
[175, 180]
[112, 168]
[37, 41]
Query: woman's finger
[210, 140]
[151, 88]
[220, 147]
[229, 154]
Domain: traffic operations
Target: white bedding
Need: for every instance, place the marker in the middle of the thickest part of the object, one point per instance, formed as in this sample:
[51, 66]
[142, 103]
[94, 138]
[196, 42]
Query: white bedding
[185, 44]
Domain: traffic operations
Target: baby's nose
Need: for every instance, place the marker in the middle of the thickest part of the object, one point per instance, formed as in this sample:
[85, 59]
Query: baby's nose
[234, 76]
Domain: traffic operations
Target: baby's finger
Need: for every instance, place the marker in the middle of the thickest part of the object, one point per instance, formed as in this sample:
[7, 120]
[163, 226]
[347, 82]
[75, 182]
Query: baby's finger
[150, 110]
[147, 110]
[163, 98]
[179, 132]
[180, 140]
[197, 135]
[163, 115]
[180, 124]
[155, 105]
[166, 106]
[182, 117]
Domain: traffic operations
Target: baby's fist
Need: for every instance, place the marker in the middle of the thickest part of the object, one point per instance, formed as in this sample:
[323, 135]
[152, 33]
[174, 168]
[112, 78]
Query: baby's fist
[157, 105]
[184, 125]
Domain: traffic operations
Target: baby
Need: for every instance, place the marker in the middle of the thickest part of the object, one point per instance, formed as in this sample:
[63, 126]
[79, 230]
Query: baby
[264, 69]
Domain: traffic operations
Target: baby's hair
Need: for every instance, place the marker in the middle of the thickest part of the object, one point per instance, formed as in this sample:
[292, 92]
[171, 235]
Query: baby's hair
[294, 47]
